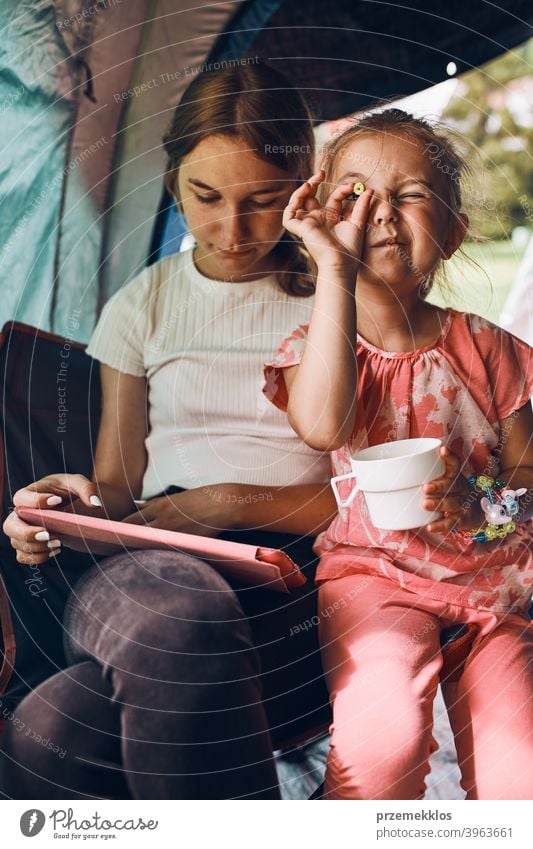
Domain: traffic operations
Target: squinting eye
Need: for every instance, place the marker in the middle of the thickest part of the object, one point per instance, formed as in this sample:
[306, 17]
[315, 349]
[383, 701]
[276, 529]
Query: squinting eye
[410, 196]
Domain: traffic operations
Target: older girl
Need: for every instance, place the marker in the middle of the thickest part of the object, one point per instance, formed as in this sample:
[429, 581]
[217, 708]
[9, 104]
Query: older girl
[163, 697]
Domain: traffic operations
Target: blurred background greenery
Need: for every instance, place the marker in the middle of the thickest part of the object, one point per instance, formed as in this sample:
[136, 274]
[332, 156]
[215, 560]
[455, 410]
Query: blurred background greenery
[492, 106]
[482, 287]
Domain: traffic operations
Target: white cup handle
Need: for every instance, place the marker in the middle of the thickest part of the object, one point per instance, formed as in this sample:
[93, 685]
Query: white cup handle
[352, 494]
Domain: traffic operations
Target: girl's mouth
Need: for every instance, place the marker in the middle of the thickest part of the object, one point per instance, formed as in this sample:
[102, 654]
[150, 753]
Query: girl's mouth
[387, 243]
[236, 254]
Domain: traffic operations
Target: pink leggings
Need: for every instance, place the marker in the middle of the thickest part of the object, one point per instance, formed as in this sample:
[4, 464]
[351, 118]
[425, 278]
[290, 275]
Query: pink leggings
[381, 658]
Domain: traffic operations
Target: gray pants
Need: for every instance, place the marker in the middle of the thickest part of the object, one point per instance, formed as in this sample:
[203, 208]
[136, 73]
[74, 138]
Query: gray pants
[178, 687]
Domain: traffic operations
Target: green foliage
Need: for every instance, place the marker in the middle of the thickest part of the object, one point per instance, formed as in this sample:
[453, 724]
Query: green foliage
[482, 110]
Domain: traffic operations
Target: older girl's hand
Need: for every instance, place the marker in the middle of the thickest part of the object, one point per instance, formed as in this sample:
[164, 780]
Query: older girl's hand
[453, 496]
[32, 543]
[331, 237]
[205, 511]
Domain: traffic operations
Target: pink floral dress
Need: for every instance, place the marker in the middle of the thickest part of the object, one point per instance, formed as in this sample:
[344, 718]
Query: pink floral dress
[459, 389]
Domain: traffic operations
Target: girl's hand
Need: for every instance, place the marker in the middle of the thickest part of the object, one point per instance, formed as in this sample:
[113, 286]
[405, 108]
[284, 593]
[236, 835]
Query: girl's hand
[453, 496]
[205, 511]
[32, 543]
[330, 238]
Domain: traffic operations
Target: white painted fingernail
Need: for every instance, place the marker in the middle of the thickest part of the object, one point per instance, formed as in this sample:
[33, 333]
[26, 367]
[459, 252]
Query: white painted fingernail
[42, 536]
[54, 543]
[95, 501]
[54, 499]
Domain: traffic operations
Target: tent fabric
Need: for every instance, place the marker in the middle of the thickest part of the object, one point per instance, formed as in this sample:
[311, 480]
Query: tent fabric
[87, 88]
[175, 46]
[86, 91]
[35, 126]
[109, 61]
[348, 55]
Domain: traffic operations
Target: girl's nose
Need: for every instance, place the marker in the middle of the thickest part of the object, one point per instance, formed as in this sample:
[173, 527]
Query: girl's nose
[383, 209]
[234, 229]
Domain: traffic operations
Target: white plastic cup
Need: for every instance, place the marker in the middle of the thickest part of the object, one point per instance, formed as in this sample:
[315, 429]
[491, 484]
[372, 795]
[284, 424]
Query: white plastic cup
[391, 477]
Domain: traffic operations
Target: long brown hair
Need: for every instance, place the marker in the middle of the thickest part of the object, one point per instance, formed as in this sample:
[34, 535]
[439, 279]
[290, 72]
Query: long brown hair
[257, 104]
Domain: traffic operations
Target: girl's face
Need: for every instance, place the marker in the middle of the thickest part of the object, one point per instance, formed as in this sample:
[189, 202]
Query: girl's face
[409, 228]
[233, 202]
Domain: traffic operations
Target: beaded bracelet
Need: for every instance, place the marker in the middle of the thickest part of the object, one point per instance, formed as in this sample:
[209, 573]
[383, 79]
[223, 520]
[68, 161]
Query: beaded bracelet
[499, 505]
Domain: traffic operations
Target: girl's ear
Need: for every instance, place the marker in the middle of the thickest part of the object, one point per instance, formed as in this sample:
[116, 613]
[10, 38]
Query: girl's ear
[457, 231]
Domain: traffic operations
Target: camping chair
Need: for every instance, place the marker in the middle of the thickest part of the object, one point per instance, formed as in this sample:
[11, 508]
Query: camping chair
[39, 436]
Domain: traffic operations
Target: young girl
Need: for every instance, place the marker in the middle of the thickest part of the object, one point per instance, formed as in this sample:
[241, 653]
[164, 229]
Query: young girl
[378, 363]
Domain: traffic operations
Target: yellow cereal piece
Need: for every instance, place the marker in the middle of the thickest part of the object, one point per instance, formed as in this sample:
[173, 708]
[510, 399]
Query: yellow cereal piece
[358, 189]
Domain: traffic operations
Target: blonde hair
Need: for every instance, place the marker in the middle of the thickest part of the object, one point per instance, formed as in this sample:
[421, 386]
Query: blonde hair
[440, 144]
[257, 104]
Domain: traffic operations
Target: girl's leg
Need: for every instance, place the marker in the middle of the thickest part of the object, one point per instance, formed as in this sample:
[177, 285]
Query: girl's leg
[491, 714]
[65, 741]
[381, 658]
[174, 650]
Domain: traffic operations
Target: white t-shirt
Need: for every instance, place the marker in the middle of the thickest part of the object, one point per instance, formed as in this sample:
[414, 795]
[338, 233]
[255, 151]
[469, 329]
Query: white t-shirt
[201, 344]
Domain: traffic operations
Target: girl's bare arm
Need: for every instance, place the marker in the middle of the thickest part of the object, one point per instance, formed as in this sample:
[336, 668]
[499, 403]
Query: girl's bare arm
[322, 389]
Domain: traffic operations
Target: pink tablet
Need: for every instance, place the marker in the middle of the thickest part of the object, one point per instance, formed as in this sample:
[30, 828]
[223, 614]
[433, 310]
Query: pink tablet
[248, 564]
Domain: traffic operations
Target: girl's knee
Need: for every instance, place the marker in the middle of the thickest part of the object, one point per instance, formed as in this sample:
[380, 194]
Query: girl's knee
[33, 741]
[383, 739]
[386, 768]
[50, 749]
[501, 766]
[506, 778]
[380, 748]
[159, 601]
[162, 573]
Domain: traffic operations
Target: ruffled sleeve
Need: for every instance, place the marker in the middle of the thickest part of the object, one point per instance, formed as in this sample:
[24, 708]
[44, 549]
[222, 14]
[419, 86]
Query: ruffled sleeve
[288, 354]
[509, 366]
